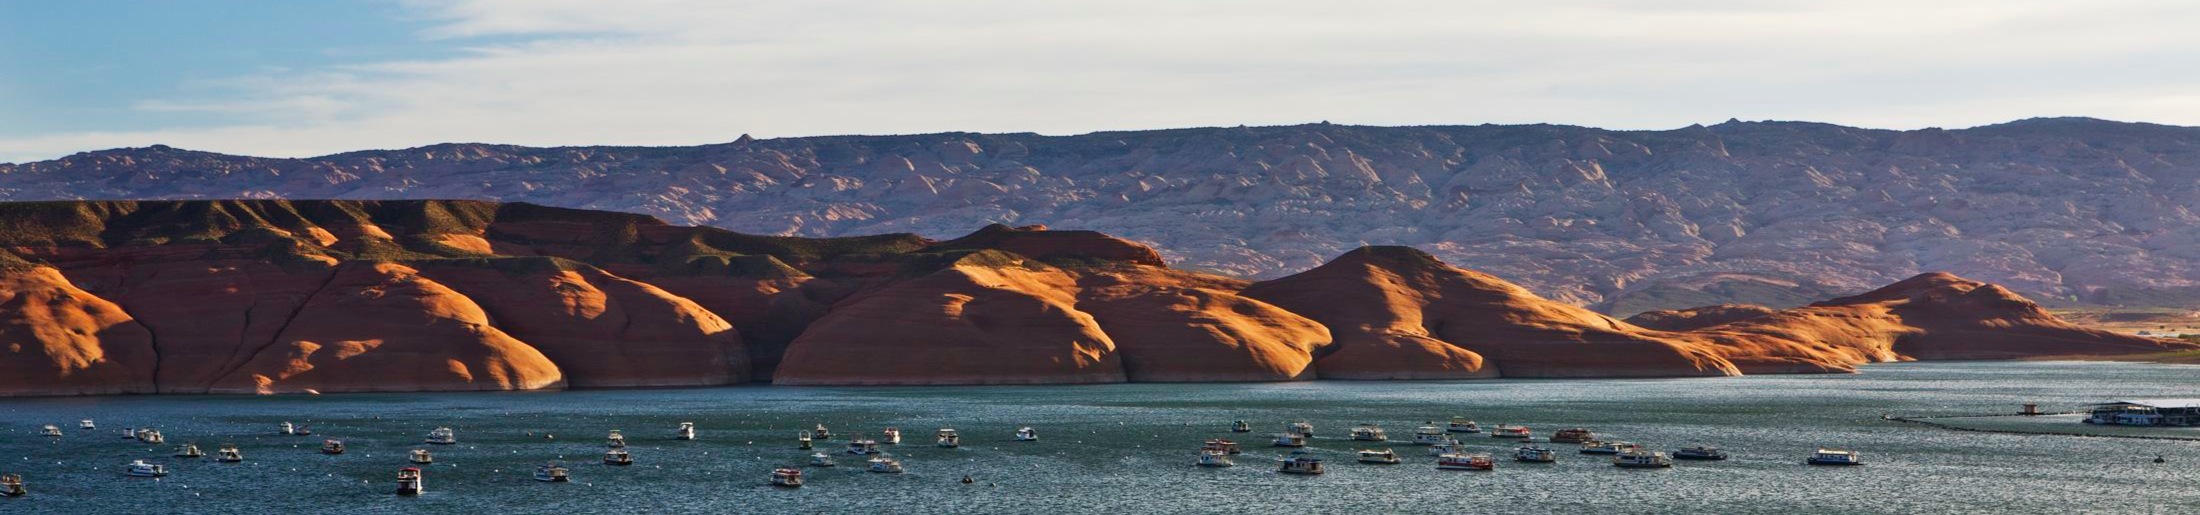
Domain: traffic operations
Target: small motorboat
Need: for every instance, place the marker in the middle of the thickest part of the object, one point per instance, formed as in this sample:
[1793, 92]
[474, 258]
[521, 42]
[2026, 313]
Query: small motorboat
[614, 440]
[129, 434]
[884, 463]
[50, 430]
[190, 451]
[421, 457]
[1533, 454]
[332, 447]
[1700, 452]
[304, 431]
[229, 454]
[151, 436]
[890, 436]
[823, 433]
[1504, 431]
[1027, 434]
[1299, 462]
[1430, 435]
[1572, 435]
[409, 482]
[1460, 461]
[11, 485]
[617, 457]
[1637, 458]
[787, 476]
[551, 473]
[802, 440]
[1221, 445]
[1380, 457]
[1369, 433]
[1598, 447]
[140, 468]
[1448, 447]
[861, 446]
[1463, 425]
[86, 424]
[949, 438]
[685, 432]
[1215, 459]
[1835, 457]
[1301, 429]
[289, 429]
[443, 436]
[1241, 427]
[1290, 440]
[821, 460]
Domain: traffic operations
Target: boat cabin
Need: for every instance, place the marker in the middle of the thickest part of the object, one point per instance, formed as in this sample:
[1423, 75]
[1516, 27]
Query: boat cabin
[2146, 412]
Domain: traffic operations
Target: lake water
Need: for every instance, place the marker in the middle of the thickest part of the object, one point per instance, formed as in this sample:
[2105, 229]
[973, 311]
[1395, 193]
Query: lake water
[1129, 448]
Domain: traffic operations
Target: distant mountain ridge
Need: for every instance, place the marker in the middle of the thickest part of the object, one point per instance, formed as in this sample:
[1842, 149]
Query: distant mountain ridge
[1773, 213]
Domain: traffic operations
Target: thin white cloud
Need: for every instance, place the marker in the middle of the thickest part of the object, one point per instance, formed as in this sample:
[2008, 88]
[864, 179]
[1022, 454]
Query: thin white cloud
[558, 72]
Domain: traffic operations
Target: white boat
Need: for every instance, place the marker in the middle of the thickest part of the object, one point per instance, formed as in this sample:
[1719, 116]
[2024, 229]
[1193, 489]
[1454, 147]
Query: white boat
[1597, 447]
[1369, 433]
[1462, 425]
[1448, 447]
[617, 457]
[11, 485]
[140, 468]
[1301, 429]
[1826, 456]
[614, 440]
[50, 430]
[1241, 427]
[862, 446]
[289, 429]
[685, 432]
[1533, 454]
[149, 435]
[884, 463]
[1700, 452]
[1290, 440]
[823, 433]
[421, 456]
[332, 447]
[1299, 462]
[802, 440]
[304, 431]
[1384, 457]
[890, 436]
[1639, 458]
[1221, 445]
[1215, 459]
[1027, 434]
[1430, 435]
[409, 482]
[551, 473]
[1504, 431]
[821, 460]
[129, 433]
[787, 476]
[86, 424]
[443, 436]
[949, 438]
[190, 451]
[1459, 461]
[229, 454]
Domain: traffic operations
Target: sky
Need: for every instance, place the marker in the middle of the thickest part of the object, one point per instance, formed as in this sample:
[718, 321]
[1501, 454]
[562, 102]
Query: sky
[294, 79]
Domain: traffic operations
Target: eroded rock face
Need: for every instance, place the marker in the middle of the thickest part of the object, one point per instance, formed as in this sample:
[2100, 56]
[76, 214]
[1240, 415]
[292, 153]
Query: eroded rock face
[1177, 327]
[1697, 318]
[56, 339]
[602, 330]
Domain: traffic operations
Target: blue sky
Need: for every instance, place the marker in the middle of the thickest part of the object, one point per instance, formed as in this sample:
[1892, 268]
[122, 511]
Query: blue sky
[301, 78]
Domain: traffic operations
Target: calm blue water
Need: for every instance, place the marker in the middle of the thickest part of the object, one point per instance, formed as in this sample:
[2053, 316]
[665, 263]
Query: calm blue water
[1128, 448]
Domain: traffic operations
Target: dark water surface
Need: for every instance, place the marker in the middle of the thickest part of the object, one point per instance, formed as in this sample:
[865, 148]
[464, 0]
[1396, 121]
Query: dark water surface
[1129, 448]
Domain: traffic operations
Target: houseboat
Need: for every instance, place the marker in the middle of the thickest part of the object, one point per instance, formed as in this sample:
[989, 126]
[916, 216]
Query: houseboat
[1572, 435]
[1290, 440]
[821, 460]
[552, 473]
[862, 446]
[884, 463]
[1700, 452]
[1221, 445]
[1462, 425]
[139, 468]
[332, 447]
[420, 457]
[409, 482]
[86, 425]
[615, 440]
[802, 440]
[289, 429]
[304, 431]
[1369, 433]
[11, 485]
[229, 454]
[822, 433]
[617, 457]
[1209, 458]
[1534, 454]
[685, 432]
[1299, 462]
[2146, 412]
[1027, 434]
[948, 438]
[1835, 457]
[789, 477]
[1597, 447]
[443, 436]
[129, 434]
[149, 435]
[1505, 431]
[1639, 459]
[1241, 427]
[1448, 447]
[190, 450]
[50, 430]
[1301, 429]
[1430, 435]
[1457, 461]
[1380, 457]
[890, 436]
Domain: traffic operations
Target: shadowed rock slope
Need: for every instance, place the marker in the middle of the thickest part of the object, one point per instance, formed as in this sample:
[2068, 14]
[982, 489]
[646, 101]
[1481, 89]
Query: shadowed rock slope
[274, 296]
